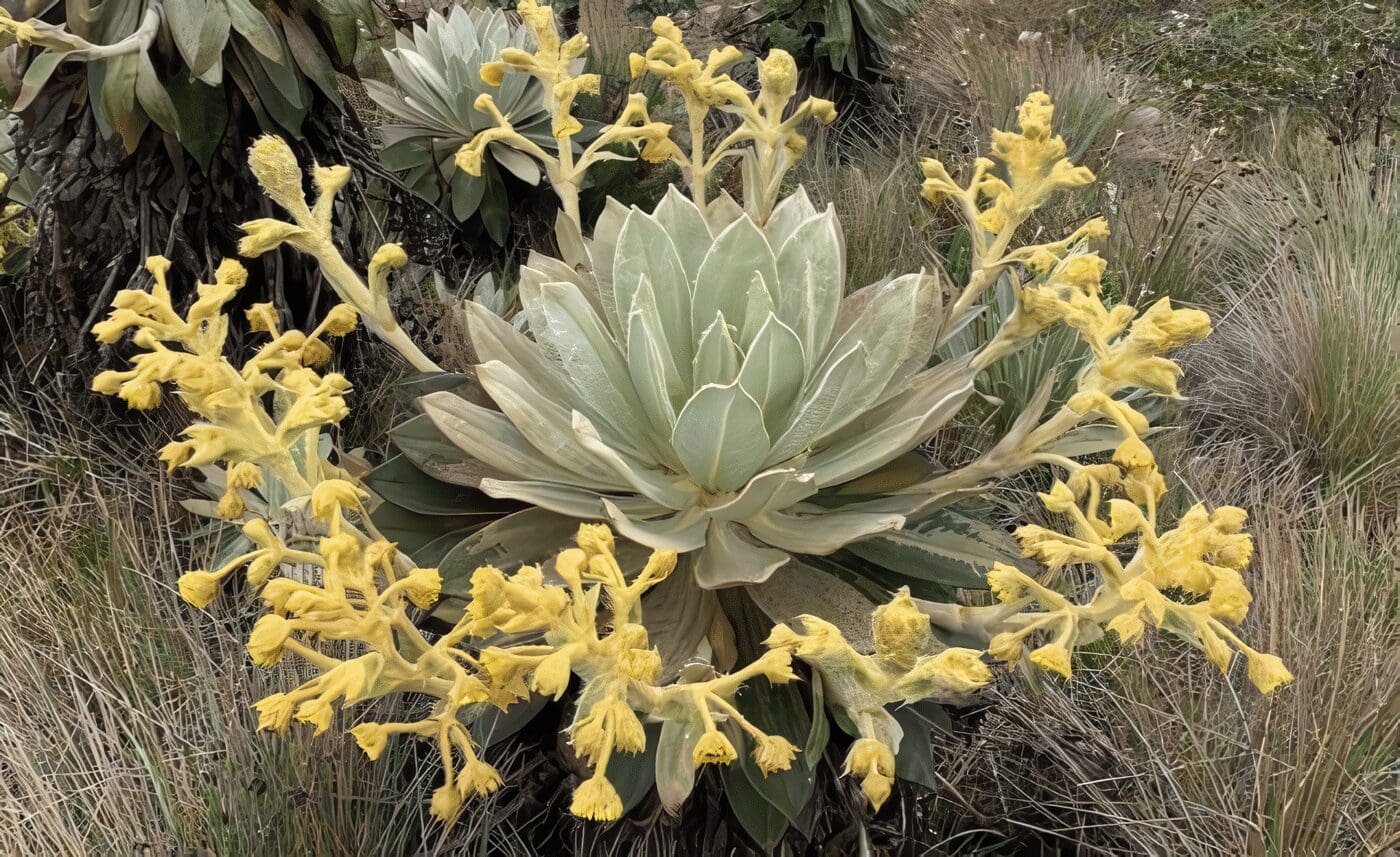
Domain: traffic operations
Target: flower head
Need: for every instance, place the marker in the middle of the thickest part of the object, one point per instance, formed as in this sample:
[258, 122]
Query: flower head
[596, 800]
[714, 749]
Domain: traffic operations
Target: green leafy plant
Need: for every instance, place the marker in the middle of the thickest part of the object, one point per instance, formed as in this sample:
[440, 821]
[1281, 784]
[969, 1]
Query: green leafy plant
[436, 80]
[853, 37]
[271, 55]
[696, 379]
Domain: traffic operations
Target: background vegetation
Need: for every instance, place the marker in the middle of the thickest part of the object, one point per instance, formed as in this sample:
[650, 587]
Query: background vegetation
[1248, 164]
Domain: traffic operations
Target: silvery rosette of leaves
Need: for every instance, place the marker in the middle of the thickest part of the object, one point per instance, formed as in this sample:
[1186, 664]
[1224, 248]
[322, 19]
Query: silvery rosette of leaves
[436, 78]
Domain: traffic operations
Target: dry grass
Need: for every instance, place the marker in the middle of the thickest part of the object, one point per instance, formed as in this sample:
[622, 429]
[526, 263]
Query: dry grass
[1307, 263]
[1151, 751]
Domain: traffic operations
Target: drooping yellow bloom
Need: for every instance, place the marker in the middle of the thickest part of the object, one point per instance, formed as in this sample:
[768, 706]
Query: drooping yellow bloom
[199, 587]
[901, 670]
[266, 642]
[237, 425]
[1186, 579]
[373, 738]
[596, 800]
[873, 762]
[514, 604]
[773, 753]
[714, 749]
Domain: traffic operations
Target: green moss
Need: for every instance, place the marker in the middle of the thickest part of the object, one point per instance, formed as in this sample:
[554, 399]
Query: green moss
[1236, 60]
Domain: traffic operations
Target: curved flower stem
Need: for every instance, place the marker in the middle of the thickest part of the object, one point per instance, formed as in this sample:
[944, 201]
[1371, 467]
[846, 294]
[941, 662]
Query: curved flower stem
[375, 311]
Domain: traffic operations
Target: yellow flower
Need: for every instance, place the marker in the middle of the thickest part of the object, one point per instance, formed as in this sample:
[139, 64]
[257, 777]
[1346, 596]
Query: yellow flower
[1132, 453]
[512, 605]
[141, 396]
[1056, 550]
[424, 585]
[265, 643]
[507, 670]
[773, 753]
[1123, 518]
[316, 712]
[1035, 161]
[595, 539]
[953, 671]
[1229, 598]
[244, 475]
[199, 587]
[231, 506]
[902, 631]
[1053, 657]
[446, 803]
[937, 183]
[609, 725]
[276, 169]
[493, 73]
[274, 712]
[1006, 583]
[639, 664]
[373, 738]
[1083, 273]
[1042, 260]
[713, 749]
[596, 799]
[340, 320]
[479, 778]
[1267, 671]
[871, 760]
[777, 79]
[1005, 646]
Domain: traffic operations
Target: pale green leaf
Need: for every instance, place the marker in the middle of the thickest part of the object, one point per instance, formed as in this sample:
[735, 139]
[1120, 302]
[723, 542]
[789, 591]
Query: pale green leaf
[720, 437]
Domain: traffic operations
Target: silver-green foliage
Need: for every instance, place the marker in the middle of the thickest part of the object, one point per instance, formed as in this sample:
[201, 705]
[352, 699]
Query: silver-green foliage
[437, 78]
[705, 386]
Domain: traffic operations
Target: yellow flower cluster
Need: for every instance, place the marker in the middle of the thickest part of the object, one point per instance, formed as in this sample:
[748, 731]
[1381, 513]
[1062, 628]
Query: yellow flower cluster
[556, 63]
[1186, 579]
[1035, 166]
[994, 208]
[357, 587]
[764, 121]
[238, 424]
[279, 173]
[612, 657]
[904, 668]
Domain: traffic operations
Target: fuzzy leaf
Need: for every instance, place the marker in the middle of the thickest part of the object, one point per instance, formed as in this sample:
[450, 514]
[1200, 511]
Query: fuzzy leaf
[720, 437]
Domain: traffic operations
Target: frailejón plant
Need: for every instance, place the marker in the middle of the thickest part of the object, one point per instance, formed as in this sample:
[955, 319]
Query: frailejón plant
[697, 379]
[436, 81]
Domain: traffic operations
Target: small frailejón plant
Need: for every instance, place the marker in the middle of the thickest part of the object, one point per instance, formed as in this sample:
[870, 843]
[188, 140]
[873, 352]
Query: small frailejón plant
[698, 380]
[435, 74]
